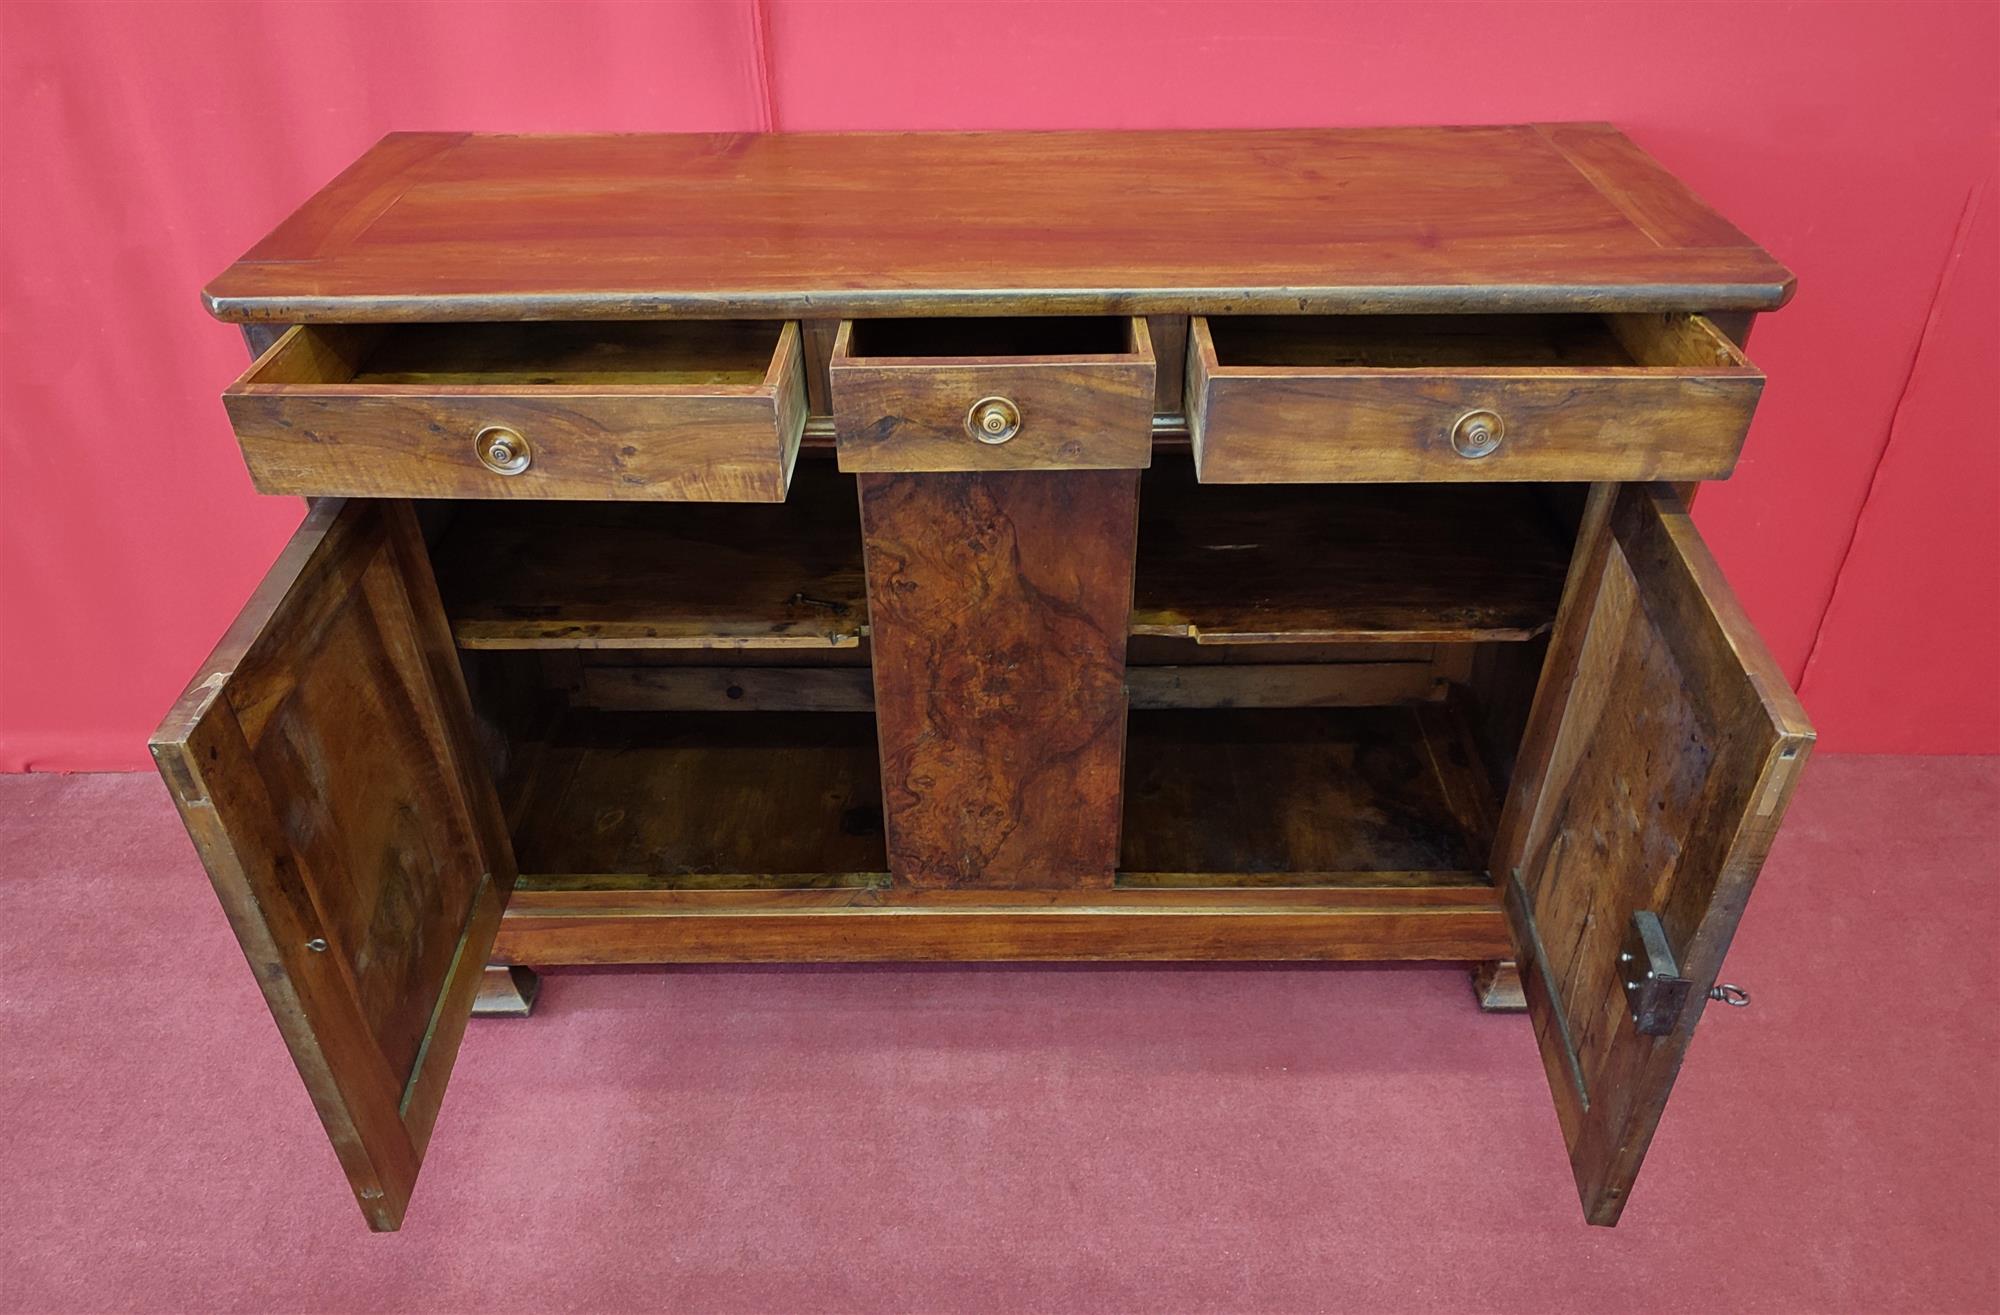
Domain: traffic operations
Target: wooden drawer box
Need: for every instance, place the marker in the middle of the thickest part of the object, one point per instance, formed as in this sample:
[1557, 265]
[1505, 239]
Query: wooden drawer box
[707, 412]
[993, 394]
[1335, 399]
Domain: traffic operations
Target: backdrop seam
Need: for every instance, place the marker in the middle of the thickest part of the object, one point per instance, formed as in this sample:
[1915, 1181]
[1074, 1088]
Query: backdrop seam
[1959, 234]
[760, 48]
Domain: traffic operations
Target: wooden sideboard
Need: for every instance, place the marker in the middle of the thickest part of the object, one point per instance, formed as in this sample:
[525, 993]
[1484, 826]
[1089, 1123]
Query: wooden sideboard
[1210, 545]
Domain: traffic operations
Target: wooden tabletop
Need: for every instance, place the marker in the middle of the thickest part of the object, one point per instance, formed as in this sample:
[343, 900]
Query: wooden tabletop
[431, 226]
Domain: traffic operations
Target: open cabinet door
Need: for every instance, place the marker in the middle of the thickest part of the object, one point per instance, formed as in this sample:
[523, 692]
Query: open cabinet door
[1660, 755]
[323, 762]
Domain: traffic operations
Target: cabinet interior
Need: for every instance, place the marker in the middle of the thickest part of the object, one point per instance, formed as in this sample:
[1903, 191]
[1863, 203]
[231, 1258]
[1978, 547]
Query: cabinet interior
[1327, 684]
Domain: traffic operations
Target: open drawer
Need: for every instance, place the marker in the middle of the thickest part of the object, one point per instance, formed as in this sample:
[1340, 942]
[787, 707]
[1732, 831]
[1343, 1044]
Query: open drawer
[688, 411]
[1057, 393]
[1336, 399]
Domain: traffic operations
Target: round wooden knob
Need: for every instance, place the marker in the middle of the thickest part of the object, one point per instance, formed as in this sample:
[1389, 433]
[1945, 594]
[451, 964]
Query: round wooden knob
[502, 450]
[993, 420]
[1478, 433]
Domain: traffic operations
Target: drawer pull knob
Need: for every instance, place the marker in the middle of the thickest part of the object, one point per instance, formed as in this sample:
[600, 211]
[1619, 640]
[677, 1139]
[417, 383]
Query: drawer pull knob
[1478, 433]
[502, 450]
[993, 420]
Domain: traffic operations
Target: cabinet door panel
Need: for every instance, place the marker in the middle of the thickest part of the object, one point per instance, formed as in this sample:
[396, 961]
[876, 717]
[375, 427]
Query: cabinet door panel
[323, 763]
[1663, 747]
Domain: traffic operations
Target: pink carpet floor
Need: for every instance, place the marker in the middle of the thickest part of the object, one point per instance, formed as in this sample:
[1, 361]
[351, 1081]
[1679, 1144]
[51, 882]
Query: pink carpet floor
[1237, 1138]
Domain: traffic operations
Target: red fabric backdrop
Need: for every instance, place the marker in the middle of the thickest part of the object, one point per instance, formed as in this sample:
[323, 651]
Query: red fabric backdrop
[146, 145]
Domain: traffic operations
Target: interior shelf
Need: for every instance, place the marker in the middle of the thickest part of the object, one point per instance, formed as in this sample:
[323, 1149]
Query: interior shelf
[1339, 563]
[1390, 796]
[1357, 797]
[704, 801]
[1217, 564]
[638, 575]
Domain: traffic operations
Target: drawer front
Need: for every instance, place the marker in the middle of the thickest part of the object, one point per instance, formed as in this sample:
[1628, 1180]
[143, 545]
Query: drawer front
[1618, 397]
[686, 412]
[1001, 410]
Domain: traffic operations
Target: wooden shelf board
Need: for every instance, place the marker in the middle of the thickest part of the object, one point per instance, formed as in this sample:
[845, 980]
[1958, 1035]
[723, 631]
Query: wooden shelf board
[1385, 796]
[660, 800]
[1376, 807]
[1416, 563]
[1218, 564]
[571, 575]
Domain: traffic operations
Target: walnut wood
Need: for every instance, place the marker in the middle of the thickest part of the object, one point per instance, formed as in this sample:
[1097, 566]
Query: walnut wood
[590, 575]
[728, 689]
[1655, 397]
[901, 399]
[999, 604]
[852, 689]
[1330, 681]
[1169, 335]
[655, 927]
[506, 991]
[713, 795]
[324, 762]
[1305, 791]
[649, 411]
[1218, 565]
[1662, 749]
[1414, 564]
[436, 226]
[1496, 984]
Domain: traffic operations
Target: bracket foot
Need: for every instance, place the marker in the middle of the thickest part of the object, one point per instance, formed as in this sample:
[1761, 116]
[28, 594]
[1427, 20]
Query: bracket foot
[1497, 984]
[507, 991]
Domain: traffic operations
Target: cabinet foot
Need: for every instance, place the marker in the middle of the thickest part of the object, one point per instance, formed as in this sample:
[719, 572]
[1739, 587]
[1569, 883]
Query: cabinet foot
[1497, 984]
[507, 991]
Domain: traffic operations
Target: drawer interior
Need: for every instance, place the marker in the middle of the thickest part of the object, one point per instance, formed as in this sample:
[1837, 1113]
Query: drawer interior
[1482, 342]
[992, 336]
[662, 354]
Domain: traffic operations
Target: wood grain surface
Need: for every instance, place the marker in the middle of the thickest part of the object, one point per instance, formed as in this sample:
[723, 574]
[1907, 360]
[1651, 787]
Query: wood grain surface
[660, 411]
[999, 604]
[324, 762]
[867, 925]
[1083, 405]
[1662, 749]
[437, 226]
[719, 799]
[576, 575]
[1415, 563]
[1302, 797]
[1314, 400]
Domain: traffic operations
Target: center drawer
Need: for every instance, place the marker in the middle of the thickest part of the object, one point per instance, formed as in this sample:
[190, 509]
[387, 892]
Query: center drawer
[680, 411]
[1063, 393]
[1369, 398]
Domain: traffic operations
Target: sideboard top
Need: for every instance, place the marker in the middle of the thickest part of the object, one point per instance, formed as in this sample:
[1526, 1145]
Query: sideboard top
[434, 226]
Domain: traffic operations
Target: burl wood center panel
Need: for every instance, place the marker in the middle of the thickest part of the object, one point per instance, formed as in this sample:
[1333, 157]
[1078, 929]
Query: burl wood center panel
[999, 604]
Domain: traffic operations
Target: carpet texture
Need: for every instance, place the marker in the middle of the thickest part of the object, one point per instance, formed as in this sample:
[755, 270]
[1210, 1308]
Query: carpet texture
[1243, 1138]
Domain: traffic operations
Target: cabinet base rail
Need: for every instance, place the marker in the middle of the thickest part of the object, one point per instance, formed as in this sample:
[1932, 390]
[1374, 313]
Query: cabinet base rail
[546, 928]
